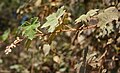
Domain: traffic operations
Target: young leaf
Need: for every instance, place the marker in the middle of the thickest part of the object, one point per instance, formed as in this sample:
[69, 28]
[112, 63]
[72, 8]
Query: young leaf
[29, 28]
[52, 20]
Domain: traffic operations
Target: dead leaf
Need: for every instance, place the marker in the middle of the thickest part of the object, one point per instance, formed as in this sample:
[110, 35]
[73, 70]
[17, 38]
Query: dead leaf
[56, 59]
[46, 49]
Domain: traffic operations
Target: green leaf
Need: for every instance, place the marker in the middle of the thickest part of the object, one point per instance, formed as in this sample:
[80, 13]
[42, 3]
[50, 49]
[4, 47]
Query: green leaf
[34, 20]
[81, 18]
[60, 12]
[92, 12]
[29, 28]
[109, 28]
[5, 35]
[1, 61]
[17, 67]
[52, 20]
[63, 69]
[106, 17]
[84, 17]
[29, 31]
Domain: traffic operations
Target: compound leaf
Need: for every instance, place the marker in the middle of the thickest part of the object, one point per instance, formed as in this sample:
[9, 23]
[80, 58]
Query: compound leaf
[29, 28]
[84, 17]
[52, 20]
[108, 15]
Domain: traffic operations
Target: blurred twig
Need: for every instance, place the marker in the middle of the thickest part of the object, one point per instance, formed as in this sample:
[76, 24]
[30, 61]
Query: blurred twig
[67, 30]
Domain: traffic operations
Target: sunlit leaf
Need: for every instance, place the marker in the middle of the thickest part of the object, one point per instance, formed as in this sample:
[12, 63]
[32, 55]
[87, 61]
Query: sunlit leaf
[81, 18]
[106, 17]
[56, 59]
[110, 41]
[92, 12]
[84, 17]
[63, 69]
[109, 28]
[60, 12]
[52, 20]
